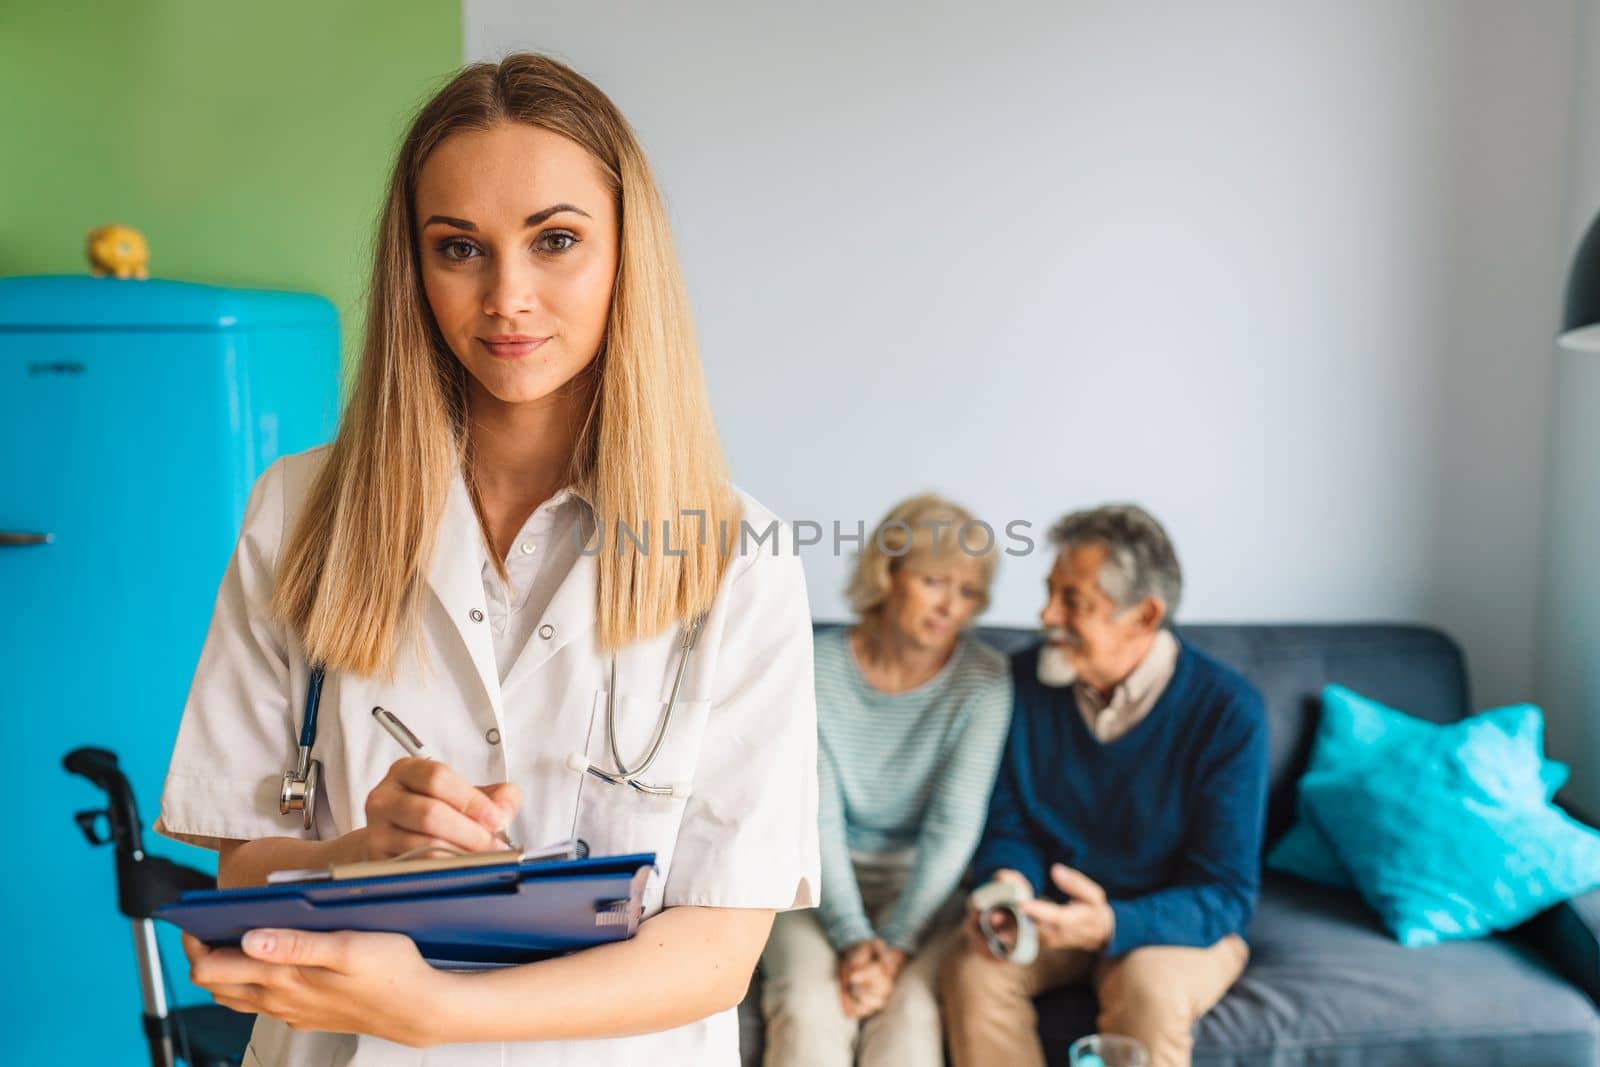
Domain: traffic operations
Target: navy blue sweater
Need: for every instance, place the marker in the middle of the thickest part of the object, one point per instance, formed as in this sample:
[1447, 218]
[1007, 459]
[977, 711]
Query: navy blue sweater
[1167, 818]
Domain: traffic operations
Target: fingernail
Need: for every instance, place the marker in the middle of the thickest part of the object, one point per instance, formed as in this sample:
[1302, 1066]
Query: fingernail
[259, 941]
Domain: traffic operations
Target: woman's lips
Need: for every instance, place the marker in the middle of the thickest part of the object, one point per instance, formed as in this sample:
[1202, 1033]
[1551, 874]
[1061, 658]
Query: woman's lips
[510, 346]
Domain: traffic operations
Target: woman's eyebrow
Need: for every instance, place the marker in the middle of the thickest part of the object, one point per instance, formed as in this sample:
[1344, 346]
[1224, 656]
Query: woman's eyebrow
[539, 216]
[532, 220]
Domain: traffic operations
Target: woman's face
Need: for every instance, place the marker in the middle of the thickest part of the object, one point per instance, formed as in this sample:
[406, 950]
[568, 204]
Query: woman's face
[931, 599]
[518, 240]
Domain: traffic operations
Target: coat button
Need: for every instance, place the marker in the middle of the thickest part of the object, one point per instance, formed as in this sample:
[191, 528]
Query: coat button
[493, 736]
[547, 631]
[475, 615]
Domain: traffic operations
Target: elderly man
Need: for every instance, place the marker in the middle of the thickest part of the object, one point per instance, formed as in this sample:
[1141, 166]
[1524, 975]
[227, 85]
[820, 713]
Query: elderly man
[1130, 803]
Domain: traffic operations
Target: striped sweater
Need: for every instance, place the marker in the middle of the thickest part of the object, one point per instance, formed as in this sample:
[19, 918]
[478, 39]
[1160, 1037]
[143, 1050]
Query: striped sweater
[903, 771]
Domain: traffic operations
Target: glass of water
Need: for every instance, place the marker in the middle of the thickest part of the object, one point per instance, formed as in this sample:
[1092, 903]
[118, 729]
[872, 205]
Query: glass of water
[1108, 1050]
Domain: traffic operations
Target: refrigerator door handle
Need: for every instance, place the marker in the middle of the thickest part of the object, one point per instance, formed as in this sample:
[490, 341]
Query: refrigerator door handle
[22, 539]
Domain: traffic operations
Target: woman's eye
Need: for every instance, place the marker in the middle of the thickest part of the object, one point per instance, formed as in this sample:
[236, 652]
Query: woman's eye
[547, 241]
[458, 250]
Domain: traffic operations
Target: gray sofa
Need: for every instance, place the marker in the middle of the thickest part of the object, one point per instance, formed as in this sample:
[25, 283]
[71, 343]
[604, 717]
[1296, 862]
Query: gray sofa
[1326, 985]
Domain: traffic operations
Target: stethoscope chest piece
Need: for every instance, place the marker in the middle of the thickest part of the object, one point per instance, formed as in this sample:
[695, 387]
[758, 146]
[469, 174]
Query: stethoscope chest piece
[301, 785]
[300, 788]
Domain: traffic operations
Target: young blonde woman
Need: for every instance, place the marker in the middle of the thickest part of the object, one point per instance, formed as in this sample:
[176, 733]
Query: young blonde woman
[912, 712]
[481, 551]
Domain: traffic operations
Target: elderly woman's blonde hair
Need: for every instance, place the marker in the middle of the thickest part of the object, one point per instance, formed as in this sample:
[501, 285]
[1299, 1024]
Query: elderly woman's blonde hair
[922, 528]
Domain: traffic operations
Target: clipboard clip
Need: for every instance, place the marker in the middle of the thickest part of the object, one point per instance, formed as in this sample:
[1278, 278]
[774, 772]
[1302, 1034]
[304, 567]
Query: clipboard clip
[428, 858]
[618, 912]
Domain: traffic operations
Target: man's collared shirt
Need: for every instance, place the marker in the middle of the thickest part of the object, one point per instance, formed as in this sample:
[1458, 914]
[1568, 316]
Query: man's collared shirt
[1132, 700]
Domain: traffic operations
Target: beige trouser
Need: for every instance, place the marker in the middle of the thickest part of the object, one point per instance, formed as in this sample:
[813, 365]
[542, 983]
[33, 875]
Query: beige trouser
[806, 1024]
[1155, 994]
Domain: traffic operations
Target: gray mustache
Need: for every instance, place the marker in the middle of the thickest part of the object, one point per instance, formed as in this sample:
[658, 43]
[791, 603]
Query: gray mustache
[1055, 633]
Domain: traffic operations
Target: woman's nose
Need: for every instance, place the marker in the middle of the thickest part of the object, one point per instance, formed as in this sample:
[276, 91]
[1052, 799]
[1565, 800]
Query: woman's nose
[511, 292]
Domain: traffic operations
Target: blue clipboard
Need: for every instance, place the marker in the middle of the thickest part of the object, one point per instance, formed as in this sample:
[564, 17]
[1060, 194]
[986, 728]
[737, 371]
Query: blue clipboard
[487, 916]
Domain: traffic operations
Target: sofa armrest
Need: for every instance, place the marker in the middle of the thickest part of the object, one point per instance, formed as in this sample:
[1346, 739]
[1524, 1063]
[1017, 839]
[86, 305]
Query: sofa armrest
[1568, 935]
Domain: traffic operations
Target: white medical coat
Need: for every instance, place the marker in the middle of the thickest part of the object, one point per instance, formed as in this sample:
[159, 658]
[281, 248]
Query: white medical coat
[743, 738]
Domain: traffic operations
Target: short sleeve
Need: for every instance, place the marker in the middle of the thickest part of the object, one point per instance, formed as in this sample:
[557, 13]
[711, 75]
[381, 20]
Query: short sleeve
[237, 736]
[749, 833]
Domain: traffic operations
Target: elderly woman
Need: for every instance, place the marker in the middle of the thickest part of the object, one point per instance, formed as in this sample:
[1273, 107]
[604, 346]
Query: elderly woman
[912, 712]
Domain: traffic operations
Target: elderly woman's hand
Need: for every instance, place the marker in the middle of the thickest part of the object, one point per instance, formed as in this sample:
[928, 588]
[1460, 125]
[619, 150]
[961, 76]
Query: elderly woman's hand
[868, 971]
[864, 986]
[891, 959]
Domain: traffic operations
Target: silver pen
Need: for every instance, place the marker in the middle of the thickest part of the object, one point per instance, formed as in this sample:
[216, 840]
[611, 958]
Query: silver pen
[413, 745]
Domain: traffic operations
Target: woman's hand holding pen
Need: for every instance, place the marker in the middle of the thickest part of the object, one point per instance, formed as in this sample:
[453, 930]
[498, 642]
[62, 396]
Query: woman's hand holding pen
[351, 982]
[423, 803]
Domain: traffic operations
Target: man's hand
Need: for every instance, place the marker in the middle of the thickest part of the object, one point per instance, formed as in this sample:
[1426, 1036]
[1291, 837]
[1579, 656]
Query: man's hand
[1084, 922]
[1016, 878]
[1003, 926]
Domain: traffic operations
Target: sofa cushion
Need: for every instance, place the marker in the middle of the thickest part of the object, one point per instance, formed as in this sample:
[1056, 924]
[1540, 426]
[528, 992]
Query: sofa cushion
[1447, 829]
[1362, 741]
[1327, 987]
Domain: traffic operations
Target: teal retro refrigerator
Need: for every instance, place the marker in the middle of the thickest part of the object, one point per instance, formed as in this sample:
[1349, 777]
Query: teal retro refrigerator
[134, 418]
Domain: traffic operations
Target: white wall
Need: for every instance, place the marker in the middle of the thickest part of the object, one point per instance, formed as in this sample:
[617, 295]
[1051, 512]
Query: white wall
[1568, 680]
[1284, 273]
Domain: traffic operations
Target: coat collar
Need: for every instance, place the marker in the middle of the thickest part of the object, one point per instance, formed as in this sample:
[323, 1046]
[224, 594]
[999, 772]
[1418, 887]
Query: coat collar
[571, 612]
[456, 576]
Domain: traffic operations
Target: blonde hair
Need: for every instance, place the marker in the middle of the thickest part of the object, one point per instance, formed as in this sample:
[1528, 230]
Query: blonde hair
[647, 449]
[916, 529]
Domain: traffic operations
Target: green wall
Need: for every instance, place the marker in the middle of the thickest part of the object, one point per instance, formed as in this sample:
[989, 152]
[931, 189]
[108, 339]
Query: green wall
[248, 140]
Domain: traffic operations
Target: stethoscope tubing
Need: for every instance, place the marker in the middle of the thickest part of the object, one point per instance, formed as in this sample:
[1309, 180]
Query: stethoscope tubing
[308, 727]
[630, 776]
[303, 798]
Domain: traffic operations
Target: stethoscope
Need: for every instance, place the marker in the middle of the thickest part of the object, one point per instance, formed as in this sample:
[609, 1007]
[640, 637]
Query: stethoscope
[302, 784]
[624, 775]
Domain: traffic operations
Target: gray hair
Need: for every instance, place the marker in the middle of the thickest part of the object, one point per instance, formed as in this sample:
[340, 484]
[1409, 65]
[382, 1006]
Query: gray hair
[1140, 561]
